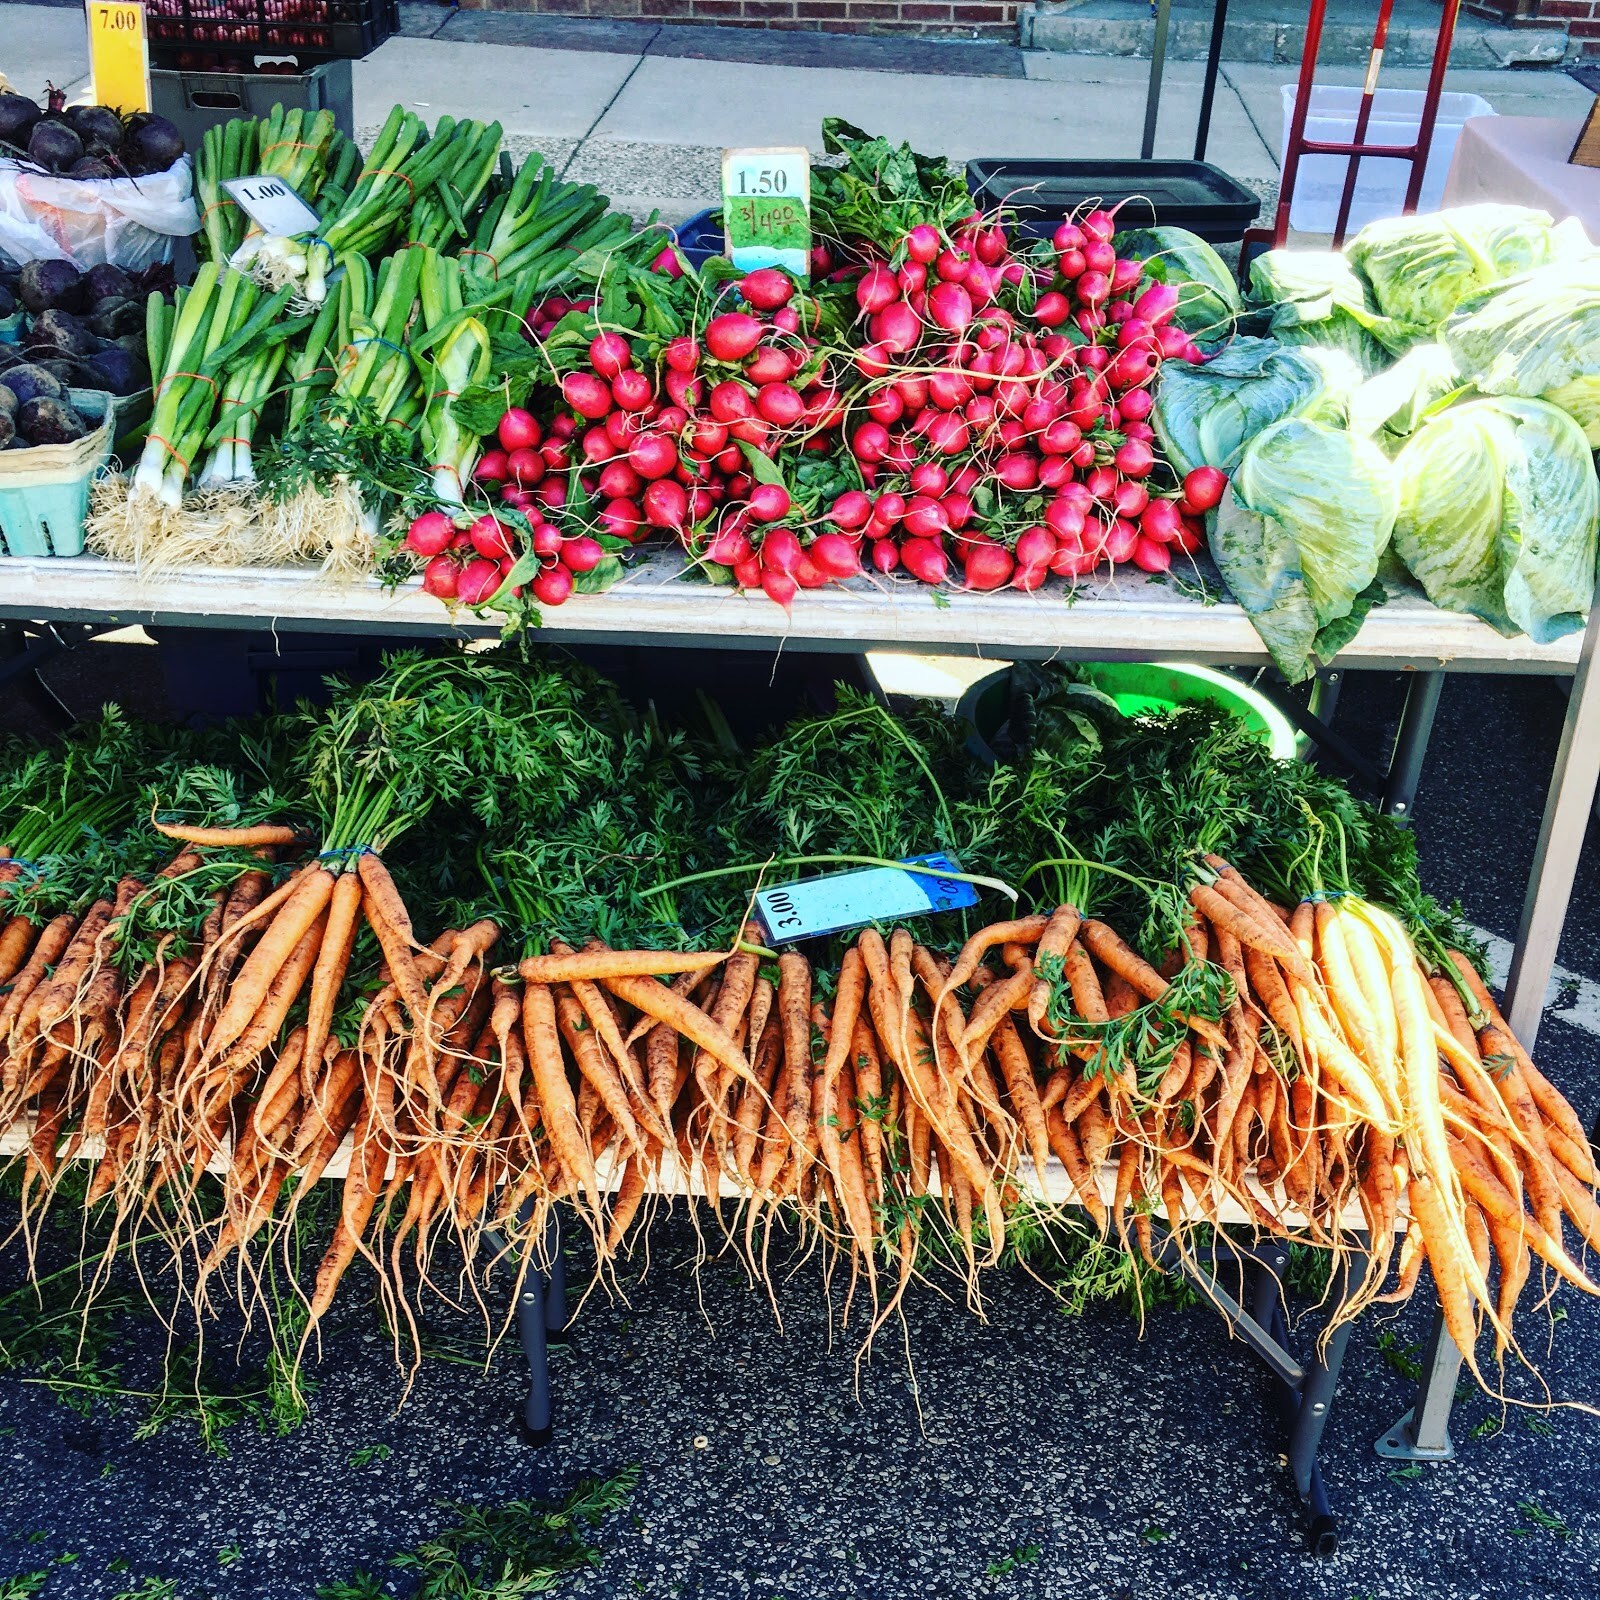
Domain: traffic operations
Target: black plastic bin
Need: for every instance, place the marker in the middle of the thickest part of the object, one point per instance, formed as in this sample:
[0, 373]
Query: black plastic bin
[1184, 194]
[195, 101]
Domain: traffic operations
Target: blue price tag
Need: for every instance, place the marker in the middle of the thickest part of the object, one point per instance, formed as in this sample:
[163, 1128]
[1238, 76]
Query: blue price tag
[869, 894]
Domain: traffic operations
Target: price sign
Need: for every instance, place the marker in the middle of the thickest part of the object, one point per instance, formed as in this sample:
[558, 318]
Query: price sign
[273, 206]
[119, 60]
[766, 208]
[852, 899]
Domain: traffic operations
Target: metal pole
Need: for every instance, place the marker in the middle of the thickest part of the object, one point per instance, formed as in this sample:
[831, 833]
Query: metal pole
[1555, 859]
[1411, 744]
[1208, 89]
[1158, 65]
[1423, 1433]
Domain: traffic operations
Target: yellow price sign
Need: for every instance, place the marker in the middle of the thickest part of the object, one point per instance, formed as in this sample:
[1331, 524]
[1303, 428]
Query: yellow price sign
[119, 58]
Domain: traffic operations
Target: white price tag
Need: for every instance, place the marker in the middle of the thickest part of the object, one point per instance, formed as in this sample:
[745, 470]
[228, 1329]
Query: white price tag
[870, 894]
[766, 208]
[273, 206]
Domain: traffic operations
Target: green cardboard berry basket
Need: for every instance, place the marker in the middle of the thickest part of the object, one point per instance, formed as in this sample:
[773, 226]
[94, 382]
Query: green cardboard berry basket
[44, 490]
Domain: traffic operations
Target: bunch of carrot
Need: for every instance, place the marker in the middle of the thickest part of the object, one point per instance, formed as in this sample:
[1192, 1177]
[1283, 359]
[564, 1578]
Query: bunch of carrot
[1297, 1069]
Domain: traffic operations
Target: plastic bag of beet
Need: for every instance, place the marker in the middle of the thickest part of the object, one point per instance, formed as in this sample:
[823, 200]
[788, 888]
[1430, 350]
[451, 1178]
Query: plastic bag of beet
[131, 222]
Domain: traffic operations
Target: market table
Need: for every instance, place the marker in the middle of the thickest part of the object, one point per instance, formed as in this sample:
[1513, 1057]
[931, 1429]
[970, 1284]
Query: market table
[1523, 161]
[1132, 618]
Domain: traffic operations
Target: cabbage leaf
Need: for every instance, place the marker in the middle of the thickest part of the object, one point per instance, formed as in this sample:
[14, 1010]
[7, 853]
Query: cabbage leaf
[1208, 298]
[1299, 536]
[1500, 513]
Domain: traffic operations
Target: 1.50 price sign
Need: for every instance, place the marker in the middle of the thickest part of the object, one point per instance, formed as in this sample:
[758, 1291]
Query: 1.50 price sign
[766, 208]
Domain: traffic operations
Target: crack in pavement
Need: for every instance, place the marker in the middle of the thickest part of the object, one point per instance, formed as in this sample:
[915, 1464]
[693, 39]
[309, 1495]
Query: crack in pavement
[588, 132]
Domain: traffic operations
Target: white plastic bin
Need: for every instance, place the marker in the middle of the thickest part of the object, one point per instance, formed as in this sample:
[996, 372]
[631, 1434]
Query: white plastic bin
[1381, 183]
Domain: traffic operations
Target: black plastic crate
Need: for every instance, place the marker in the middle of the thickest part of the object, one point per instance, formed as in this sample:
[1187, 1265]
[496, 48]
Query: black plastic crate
[182, 32]
[195, 101]
[1184, 194]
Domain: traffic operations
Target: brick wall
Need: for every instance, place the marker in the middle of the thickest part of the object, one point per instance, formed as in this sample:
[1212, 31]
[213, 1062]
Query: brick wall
[1582, 17]
[968, 18]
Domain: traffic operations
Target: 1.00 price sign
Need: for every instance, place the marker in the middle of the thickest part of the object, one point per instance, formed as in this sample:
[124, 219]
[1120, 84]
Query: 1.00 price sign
[766, 208]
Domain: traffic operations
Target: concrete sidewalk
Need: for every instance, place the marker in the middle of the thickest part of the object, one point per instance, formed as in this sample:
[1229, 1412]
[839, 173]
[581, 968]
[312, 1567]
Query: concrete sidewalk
[649, 128]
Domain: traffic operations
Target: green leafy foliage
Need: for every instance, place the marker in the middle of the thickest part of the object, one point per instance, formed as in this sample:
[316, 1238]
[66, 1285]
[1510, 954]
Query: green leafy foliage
[883, 190]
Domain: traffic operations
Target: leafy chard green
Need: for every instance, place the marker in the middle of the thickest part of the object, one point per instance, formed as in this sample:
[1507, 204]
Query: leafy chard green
[883, 190]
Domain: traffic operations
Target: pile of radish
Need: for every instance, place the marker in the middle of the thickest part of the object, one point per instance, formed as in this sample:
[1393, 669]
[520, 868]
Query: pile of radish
[957, 410]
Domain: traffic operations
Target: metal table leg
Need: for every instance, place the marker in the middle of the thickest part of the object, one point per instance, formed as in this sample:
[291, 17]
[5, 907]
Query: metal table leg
[1208, 89]
[1158, 67]
[537, 1426]
[1423, 1433]
[1411, 743]
[555, 1280]
[1555, 860]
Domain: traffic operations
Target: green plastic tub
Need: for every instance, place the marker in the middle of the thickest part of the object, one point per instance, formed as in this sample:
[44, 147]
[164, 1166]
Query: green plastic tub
[1140, 688]
[44, 492]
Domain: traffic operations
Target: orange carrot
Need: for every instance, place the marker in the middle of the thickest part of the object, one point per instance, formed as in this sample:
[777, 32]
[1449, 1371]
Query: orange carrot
[600, 965]
[265, 833]
[557, 1108]
[1059, 932]
[1024, 930]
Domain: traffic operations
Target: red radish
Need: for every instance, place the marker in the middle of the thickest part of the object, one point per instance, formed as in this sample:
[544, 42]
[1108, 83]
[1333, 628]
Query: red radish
[780, 404]
[1069, 563]
[922, 243]
[478, 581]
[666, 505]
[610, 354]
[1029, 578]
[950, 307]
[553, 586]
[1125, 275]
[1173, 342]
[835, 555]
[621, 519]
[885, 555]
[780, 550]
[668, 265]
[682, 354]
[586, 394]
[897, 327]
[618, 480]
[925, 560]
[1135, 458]
[989, 566]
[891, 507]
[708, 438]
[952, 266]
[733, 335]
[1151, 555]
[779, 587]
[526, 467]
[1157, 304]
[430, 534]
[555, 454]
[491, 538]
[809, 575]
[1094, 289]
[653, 455]
[729, 547]
[632, 390]
[519, 499]
[1072, 265]
[1161, 520]
[440, 578]
[877, 288]
[767, 288]
[752, 431]
[913, 391]
[1121, 540]
[731, 402]
[518, 430]
[1136, 404]
[886, 407]
[683, 388]
[911, 277]
[929, 478]
[1069, 236]
[948, 390]
[1055, 472]
[1061, 438]
[1129, 498]
[874, 361]
[1017, 472]
[770, 365]
[851, 510]
[747, 573]
[957, 508]
[552, 493]
[870, 441]
[947, 433]
[1065, 520]
[926, 518]
[990, 245]
[1203, 487]
[546, 539]
[1035, 546]
[1190, 536]
[769, 502]
[1052, 309]
[1099, 256]
[1099, 224]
